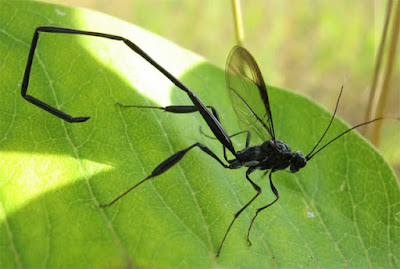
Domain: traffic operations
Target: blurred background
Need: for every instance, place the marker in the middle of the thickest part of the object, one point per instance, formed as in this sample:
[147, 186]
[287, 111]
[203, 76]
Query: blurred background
[307, 46]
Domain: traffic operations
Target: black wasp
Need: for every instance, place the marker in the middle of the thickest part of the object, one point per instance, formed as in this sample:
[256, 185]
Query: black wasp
[244, 82]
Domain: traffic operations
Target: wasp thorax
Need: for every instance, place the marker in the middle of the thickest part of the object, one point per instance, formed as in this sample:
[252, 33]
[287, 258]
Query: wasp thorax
[275, 146]
[297, 162]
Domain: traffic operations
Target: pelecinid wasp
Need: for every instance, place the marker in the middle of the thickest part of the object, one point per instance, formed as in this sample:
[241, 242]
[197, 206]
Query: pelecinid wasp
[243, 76]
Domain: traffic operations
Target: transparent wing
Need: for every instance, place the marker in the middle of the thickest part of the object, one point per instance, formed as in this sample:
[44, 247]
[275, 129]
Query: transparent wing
[248, 93]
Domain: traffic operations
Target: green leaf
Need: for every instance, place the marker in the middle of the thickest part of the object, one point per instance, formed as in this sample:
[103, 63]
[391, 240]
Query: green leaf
[341, 210]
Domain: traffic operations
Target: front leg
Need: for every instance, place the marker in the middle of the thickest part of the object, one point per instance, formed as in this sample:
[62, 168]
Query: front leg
[258, 189]
[275, 191]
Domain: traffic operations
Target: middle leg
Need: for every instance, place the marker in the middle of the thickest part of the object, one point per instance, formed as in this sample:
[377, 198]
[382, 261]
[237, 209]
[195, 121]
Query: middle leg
[183, 109]
[167, 164]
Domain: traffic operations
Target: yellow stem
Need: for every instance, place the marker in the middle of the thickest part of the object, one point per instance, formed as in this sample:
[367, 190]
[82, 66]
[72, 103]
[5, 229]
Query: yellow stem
[380, 111]
[237, 16]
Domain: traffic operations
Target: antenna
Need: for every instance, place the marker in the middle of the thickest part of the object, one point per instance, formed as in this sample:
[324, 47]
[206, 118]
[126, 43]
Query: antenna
[329, 125]
[311, 154]
[354, 127]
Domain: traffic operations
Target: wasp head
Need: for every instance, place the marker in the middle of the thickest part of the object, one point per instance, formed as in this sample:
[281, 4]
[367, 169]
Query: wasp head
[297, 161]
